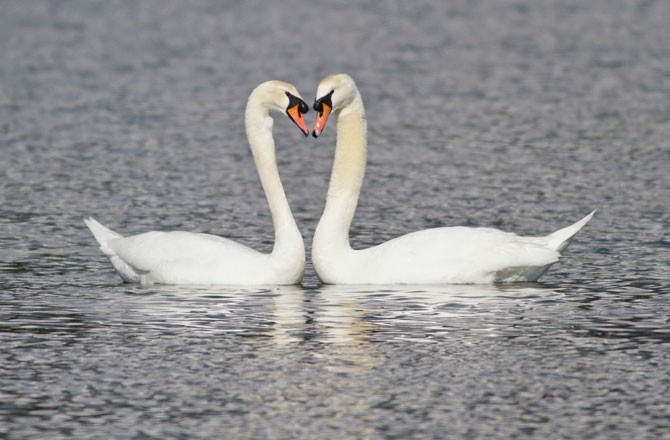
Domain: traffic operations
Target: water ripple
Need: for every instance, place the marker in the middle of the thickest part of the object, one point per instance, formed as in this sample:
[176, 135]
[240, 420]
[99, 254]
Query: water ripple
[131, 111]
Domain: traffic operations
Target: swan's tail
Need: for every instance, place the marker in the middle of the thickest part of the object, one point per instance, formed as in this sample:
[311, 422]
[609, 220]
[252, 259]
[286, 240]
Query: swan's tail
[559, 240]
[102, 234]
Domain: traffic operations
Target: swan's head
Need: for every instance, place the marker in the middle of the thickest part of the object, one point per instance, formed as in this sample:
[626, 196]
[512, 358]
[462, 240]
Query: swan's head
[282, 97]
[333, 93]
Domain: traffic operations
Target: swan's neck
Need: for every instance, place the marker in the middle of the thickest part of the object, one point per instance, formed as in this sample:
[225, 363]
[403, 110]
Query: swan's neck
[288, 240]
[346, 177]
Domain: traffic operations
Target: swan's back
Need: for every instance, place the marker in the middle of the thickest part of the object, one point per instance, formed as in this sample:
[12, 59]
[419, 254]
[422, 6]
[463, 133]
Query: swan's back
[458, 255]
[178, 257]
[450, 255]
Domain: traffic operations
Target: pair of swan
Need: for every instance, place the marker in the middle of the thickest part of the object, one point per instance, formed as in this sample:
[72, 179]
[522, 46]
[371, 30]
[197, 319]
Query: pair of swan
[432, 256]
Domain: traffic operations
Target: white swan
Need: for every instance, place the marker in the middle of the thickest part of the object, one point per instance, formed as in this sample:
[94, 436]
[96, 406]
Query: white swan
[192, 258]
[450, 255]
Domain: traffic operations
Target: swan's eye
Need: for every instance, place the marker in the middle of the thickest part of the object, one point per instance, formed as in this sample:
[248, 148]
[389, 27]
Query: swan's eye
[295, 101]
[326, 99]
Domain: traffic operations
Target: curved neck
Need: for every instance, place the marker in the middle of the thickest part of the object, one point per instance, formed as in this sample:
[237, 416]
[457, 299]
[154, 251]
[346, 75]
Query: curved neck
[288, 239]
[346, 177]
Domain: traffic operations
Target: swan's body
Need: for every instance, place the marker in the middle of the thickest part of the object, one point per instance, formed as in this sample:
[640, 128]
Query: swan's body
[433, 256]
[192, 258]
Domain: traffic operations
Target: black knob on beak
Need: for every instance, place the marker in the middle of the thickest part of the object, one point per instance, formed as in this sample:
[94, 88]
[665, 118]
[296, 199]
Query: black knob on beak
[294, 100]
[325, 99]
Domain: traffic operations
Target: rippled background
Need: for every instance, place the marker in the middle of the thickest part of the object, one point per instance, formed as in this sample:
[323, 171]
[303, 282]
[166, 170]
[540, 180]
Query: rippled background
[515, 114]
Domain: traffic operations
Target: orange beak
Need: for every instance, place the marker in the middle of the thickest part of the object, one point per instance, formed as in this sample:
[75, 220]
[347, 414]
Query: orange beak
[321, 119]
[296, 116]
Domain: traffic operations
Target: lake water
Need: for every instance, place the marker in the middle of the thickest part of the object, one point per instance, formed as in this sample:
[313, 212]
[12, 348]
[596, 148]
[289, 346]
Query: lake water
[519, 115]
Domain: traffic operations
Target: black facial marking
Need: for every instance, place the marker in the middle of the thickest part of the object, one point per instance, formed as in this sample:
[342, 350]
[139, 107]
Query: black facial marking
[294, 100]
[326, 99]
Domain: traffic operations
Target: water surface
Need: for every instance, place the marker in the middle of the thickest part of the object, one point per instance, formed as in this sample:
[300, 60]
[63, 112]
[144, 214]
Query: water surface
[523, 116]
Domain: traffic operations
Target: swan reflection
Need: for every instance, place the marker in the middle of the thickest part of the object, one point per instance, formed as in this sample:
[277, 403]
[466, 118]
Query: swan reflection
[333, 315]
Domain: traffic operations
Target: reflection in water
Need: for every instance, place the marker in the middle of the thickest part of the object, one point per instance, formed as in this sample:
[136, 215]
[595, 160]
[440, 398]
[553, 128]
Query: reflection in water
[290, 318]
[329, 314]
[352, 349]
[354, 318]
[415, 312]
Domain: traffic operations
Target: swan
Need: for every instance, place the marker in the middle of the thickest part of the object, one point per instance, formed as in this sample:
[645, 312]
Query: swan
[447, 255]
[178, 257]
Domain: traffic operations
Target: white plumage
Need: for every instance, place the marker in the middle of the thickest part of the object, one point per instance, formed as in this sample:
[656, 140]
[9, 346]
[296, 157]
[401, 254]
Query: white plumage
[457, 255]
[192, 258]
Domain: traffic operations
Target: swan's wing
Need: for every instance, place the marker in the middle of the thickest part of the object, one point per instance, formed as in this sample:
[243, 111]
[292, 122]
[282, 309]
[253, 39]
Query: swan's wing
[178, 250]
[458, 254]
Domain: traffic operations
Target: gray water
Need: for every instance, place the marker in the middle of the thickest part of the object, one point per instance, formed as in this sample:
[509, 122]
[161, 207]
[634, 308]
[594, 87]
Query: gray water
[523, 116]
